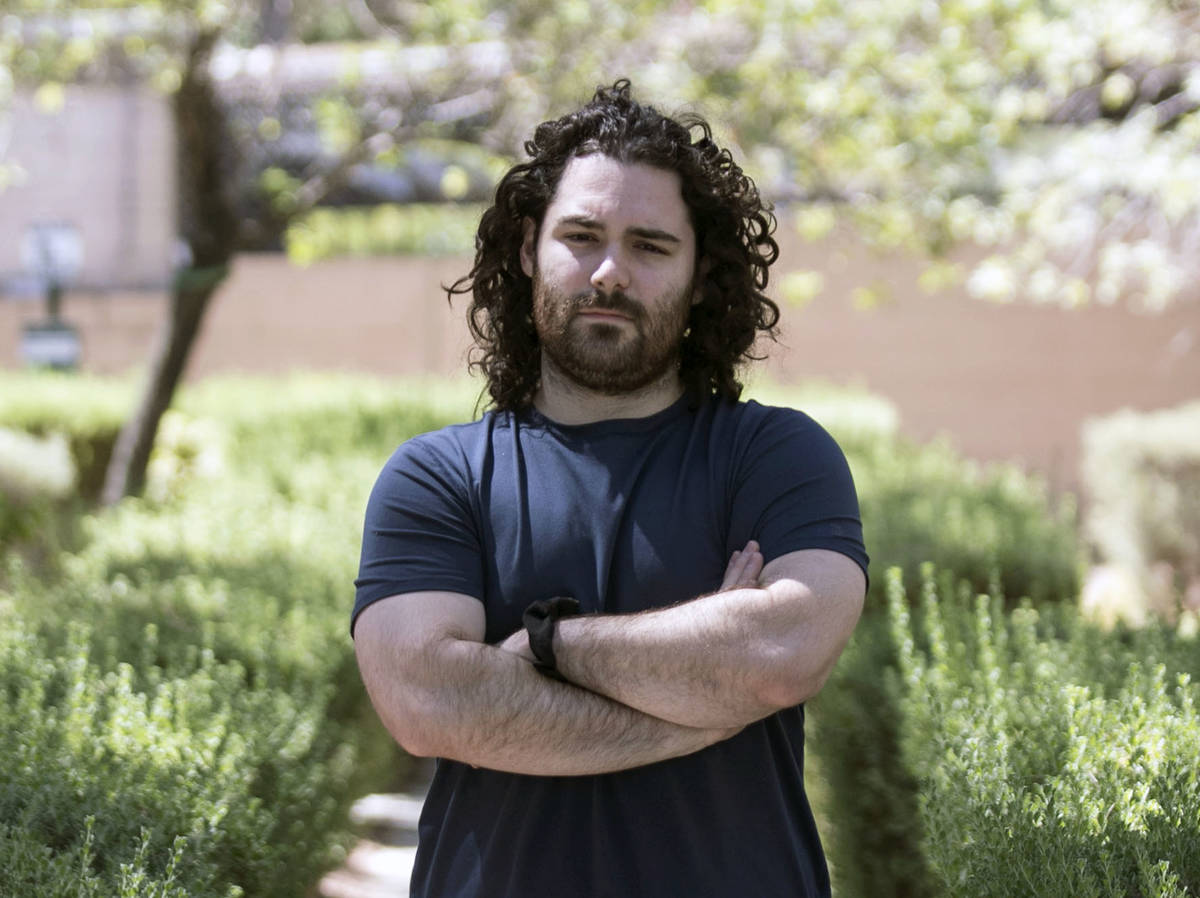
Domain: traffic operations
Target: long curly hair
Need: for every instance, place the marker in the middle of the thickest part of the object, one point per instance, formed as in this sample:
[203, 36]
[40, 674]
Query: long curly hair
[734, 246]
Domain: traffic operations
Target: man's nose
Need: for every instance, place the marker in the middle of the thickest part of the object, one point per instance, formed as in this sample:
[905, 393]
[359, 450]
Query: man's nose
[612, 273]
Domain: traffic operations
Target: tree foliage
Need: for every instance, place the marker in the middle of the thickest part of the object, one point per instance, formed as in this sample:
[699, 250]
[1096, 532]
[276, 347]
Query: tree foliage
[1062, 136]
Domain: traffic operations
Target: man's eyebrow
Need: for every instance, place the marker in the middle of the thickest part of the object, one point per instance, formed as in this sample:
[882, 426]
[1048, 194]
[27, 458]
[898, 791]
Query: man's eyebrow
[655, 234]
[586, 221]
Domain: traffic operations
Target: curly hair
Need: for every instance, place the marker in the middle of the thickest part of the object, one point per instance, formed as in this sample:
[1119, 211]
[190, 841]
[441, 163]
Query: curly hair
[734, 246]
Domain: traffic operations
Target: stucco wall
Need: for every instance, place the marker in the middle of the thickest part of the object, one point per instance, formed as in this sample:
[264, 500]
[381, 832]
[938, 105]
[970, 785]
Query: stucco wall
[1003, 382]
[104, 164]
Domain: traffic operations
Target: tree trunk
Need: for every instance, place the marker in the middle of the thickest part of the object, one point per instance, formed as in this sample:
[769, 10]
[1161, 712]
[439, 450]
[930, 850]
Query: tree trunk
[126, 474]
[209, 226]
[275, 21]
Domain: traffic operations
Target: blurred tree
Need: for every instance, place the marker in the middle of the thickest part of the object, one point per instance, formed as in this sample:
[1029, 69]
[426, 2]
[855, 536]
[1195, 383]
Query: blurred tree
[275, 21]
[171, 43]
[1062, 135]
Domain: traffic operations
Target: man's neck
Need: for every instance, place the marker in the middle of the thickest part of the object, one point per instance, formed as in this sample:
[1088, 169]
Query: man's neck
[565, 402]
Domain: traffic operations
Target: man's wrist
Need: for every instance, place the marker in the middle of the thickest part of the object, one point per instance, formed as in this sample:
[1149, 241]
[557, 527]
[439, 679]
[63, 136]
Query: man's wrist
[540, 620]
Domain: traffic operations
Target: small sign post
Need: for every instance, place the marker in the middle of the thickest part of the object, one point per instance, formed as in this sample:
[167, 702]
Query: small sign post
[54, 253]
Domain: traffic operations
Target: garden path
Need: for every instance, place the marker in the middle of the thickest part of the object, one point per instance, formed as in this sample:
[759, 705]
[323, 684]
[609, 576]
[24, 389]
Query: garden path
[381, 863]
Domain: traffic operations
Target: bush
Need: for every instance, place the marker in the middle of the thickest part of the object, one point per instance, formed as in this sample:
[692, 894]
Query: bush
[86, 411]
[231, 579]
[36, 475]
[193, 775]
[988, 523]
[207, 729]
[417, 229]
[868, 812]
[1051, 759]
[1141, 475]
[993, 525]
[271, 423]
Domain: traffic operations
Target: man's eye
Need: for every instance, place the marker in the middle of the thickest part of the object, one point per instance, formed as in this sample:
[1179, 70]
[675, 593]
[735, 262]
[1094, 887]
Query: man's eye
[581, 237]
[652, 248]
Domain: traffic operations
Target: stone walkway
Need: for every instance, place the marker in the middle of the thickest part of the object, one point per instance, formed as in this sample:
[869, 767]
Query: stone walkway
[381, 863]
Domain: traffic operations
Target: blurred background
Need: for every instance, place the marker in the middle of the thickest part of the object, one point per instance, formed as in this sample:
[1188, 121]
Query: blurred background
[224, 233]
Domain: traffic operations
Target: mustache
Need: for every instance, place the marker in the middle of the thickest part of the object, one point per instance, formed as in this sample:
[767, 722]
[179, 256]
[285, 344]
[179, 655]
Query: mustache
[616, 301]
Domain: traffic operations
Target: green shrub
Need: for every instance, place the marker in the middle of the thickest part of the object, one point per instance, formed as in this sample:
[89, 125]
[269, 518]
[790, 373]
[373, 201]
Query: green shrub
[1051, 759]
[927, 503]
[1141, 475]
[195, 774]
[241, 557]
[271, 423]
[868, 814]
[994, 527]
[216, 648]
[29, 867]
[36, 476]
[990, 524]
[87, 411]
[413, 229]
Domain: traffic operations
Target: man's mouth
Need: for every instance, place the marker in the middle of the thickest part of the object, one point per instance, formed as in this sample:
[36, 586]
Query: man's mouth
[605, 314]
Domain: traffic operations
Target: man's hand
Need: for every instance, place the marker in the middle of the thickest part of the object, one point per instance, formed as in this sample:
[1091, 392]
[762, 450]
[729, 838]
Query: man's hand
[745, 567]
[518, 644]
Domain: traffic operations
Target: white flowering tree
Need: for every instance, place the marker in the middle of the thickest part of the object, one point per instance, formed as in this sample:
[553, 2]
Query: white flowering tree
[1061, 135]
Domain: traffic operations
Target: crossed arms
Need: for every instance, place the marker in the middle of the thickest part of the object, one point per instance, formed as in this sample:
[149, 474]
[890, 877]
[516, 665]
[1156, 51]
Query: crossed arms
[642, 687]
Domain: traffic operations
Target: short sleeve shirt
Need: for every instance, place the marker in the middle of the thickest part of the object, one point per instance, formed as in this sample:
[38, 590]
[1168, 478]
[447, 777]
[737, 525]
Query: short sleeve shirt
[623, 515]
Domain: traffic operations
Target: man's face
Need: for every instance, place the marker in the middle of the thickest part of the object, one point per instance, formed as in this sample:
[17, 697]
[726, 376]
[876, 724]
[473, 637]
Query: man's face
[612, 271]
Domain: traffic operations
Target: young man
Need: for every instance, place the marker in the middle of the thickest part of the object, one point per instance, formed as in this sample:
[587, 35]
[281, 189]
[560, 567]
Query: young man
[651, 744]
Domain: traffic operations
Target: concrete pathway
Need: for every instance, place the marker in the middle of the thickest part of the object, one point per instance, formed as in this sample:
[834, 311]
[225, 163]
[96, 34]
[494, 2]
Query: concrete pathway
[381, 863]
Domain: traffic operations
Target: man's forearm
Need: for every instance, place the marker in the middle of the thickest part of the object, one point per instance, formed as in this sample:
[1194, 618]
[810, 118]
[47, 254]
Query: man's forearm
[721, 660]
[697, 664]
[477, 704]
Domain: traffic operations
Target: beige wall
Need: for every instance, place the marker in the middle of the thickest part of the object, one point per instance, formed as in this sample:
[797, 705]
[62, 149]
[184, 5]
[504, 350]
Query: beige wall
[103, 163]
[1011, 382]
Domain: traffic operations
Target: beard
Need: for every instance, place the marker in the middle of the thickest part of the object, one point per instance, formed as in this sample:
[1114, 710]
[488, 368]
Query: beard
[616, 358]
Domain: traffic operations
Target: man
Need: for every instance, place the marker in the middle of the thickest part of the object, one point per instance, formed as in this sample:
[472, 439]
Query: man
[652, 744]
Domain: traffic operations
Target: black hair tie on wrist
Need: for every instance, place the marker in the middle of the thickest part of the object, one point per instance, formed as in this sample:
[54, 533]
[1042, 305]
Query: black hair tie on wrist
[539, 620]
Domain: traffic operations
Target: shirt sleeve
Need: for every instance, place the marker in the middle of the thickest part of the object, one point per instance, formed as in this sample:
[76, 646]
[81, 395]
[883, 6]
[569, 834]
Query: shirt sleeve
[794, 490]
[420, 533]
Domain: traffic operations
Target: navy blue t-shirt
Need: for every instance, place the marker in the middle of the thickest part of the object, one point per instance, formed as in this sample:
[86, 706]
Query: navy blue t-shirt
[623, 515]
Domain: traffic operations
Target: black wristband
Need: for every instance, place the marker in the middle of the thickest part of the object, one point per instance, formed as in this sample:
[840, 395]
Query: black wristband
[539, 619]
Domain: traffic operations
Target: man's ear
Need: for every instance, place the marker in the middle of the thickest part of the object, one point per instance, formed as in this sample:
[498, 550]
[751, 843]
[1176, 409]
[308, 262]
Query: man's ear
[529, 247]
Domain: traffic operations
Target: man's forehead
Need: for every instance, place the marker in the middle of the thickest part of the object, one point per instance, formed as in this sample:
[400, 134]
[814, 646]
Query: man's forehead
[605, 192]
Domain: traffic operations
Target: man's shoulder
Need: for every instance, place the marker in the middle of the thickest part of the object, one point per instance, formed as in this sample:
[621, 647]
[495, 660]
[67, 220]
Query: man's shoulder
[752, 418]
[454, 437]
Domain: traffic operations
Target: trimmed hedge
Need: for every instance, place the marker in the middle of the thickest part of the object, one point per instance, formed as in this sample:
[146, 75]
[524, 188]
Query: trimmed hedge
[1141, 474]
[991, 524]
[415, 229]
[853, 415]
